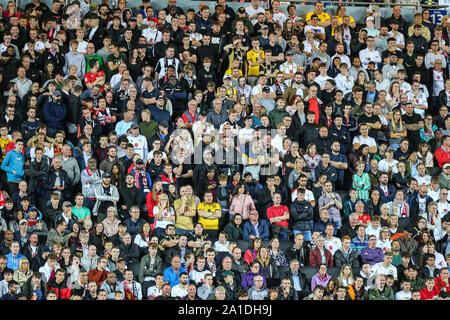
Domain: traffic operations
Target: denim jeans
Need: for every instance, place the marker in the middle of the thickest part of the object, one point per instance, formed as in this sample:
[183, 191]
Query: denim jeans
[182, 232]
[306, 234]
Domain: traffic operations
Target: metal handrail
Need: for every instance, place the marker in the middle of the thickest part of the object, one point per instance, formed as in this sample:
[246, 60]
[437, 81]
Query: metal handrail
[377, 4]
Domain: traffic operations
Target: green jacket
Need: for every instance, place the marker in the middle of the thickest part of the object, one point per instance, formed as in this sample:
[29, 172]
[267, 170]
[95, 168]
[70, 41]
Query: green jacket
[417, 284]
[54, 237]
[375, 294]
[234, 233]
[276, 116]
[148, 129]
[145, 270]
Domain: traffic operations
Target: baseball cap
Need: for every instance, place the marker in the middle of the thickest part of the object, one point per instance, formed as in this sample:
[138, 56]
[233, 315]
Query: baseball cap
[133, 19]
[164, 124]
[57, 93]
[370, 18]
[248, 173]
[106, 175]
[389, 149]
[140, 45]
[139, 161]
[289, 53]
[23, 221]
[154, 19]
[32, 209]
[447, 165]
[227, 76]
[266, 89]
[161, 97]
[134, 125]
[67, 204]
[241, 10]
[264, 26]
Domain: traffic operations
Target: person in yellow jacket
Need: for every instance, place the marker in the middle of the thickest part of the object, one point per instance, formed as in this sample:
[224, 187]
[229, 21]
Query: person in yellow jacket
[425, 30]
[209, 213]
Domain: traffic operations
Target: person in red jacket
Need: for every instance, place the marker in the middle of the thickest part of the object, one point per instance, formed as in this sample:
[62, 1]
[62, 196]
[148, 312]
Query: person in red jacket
[315, 256]
[153, 196]
[100, 273]
[443, 152]
[58, 284]
[430, 292]
[442, 282]
[278, 216]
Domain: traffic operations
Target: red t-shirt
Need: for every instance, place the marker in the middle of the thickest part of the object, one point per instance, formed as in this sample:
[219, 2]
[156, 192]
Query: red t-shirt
[364, 218]
[314, 107]
[279, 211]
[425, 294]
[91, 77]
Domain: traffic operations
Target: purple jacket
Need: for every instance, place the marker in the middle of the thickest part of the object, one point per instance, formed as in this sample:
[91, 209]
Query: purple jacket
[372, 256]
[247, 279]
[317, 280]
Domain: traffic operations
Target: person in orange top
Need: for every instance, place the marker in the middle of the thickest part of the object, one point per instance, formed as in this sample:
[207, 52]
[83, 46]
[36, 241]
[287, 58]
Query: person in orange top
[442, 282]
[430, 292]
[152, 197]
[94, 76]
[100, 273]
[278, 216]
[363, 218]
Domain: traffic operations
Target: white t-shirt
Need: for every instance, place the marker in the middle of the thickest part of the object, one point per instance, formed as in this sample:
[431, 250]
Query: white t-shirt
[369, 141]
[333, 245]
[309, 196]
[379, 268]
[403, 296]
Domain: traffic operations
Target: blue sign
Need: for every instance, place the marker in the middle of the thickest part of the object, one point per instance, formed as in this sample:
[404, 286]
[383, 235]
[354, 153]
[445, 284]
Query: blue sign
[436, 16]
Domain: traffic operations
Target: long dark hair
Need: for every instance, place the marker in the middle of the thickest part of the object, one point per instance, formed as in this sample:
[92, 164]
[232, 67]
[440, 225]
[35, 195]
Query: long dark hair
[238, 186]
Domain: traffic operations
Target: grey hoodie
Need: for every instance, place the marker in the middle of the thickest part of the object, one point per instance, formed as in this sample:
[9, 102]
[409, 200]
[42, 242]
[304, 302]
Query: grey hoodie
[72, 168]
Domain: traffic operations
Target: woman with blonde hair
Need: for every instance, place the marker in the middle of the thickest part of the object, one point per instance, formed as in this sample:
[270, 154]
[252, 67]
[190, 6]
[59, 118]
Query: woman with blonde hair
[384, 239]
[164, 215]
[397, 129]
[393, 225]
[346, 276]
[41, 140]
[22, 273]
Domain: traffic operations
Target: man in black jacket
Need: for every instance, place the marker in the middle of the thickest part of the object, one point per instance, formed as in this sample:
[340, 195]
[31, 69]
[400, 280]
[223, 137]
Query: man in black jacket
[299, 251]
[302, 214]
[32, 250]
[129, 196]
[57, 180]
[73, 114]
[349, 228]
[130, 252]
[297, 278]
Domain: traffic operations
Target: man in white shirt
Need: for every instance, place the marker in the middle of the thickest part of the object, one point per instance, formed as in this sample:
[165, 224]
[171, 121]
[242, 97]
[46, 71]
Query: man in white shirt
[385, 267]
[315, 28]
[364, 138]
[388, 164]
[289, 67]
[138, 141]
[180, 290]
[405, 293]
[253, 10]
[398, 36]
[340, 53]
[331, 243]
[380, 83]
[369, 54]
[434, 54]
[344, 81]
[278, 16]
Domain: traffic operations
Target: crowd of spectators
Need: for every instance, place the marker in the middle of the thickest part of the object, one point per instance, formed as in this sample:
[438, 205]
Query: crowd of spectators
[219, 154]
